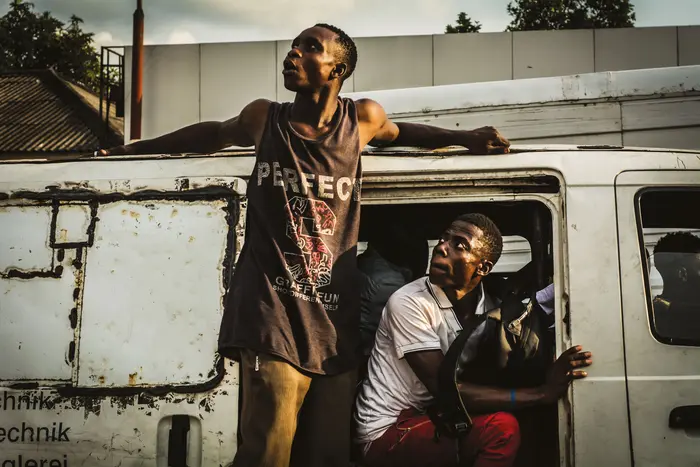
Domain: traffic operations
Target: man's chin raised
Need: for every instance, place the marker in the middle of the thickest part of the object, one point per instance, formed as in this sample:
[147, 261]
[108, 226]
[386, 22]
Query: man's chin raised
[291, 83]
[437, 276]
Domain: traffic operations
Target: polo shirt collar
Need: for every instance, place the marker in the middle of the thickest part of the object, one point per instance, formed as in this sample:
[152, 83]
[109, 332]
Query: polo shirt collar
[445, 303]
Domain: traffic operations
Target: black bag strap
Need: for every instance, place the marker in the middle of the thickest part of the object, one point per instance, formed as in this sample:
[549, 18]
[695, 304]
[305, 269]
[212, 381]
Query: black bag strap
[453, 418]
[449, 413]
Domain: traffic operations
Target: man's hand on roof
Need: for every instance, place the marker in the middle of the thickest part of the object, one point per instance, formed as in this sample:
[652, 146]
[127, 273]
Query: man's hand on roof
[486, 140]
[115, 151]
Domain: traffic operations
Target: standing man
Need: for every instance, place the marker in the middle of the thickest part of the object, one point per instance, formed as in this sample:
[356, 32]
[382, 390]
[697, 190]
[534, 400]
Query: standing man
[292, 316]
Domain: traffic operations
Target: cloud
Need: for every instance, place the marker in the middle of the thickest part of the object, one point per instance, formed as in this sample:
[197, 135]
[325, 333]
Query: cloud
[180, 36]
[215, 20]
[105, 39]
[241, 20]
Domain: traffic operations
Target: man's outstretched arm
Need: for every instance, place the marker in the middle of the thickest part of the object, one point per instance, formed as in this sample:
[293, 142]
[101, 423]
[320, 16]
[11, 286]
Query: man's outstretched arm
[379, 131]
[243, 130]
[484, 399]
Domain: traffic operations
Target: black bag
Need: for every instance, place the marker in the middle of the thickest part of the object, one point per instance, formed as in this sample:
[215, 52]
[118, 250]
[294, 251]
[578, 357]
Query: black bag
[511, 348]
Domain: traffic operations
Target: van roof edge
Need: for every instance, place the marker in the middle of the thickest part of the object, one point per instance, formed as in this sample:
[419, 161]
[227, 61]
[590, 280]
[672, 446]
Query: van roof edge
[390, 151]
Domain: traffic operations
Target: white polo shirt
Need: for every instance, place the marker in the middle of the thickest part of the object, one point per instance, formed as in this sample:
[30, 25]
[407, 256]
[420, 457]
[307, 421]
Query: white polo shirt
[419, 316]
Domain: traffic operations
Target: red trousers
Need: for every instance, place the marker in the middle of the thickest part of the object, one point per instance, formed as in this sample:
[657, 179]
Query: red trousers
[492, 442]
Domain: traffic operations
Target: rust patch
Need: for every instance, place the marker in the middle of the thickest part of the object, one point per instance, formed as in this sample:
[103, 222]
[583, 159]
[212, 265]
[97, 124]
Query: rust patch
[174, 213]
[91, 405]
[71, 353]
[78, 261]
[83, 184]
[91, 401]
[63, 236]
[134, 214]
[132, 379]
[205, 405]
[102, 380]
[73, 318]
[124, 212]
[182, 184]
[78, 285]
[191, 239]
[20, 274]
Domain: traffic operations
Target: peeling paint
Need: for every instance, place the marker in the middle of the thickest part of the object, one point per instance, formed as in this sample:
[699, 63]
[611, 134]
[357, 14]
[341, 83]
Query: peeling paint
[15, 273]
[103, 399]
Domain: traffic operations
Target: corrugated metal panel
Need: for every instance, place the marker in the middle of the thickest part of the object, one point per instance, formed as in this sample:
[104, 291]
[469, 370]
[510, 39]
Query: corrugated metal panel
[33, 118]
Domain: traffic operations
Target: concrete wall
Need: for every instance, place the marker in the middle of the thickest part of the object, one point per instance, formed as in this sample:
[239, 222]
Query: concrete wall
[185, 84]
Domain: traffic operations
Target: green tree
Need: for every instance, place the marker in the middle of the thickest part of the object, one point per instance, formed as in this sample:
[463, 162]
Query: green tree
[530, 15]
[611, 13]
[30, 40]
[464, 24]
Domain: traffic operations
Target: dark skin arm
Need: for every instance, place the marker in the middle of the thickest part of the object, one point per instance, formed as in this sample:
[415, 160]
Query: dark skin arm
[376, 129]
[244, 130]
[484, 399]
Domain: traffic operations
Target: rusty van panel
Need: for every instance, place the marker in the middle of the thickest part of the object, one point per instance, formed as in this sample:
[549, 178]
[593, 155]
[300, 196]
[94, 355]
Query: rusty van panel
[111, 294]
[36, 286]
[65, 430]
[153, 281]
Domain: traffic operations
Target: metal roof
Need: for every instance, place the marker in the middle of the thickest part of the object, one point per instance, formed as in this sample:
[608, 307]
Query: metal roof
[629, 84]
[41, 113]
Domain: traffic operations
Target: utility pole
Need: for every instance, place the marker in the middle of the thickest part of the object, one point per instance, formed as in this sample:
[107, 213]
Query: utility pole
[137, 72]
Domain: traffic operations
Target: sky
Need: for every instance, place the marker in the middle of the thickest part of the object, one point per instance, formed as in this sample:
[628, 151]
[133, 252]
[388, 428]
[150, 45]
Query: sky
[199, 21]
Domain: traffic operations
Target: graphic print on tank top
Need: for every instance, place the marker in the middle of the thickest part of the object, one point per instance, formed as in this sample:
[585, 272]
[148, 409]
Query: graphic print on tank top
[307, 221]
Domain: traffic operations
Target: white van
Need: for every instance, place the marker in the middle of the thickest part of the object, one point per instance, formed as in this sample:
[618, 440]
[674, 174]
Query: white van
[113, 272]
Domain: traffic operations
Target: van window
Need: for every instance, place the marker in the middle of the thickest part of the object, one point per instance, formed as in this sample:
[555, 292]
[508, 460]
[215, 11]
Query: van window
[671, 237]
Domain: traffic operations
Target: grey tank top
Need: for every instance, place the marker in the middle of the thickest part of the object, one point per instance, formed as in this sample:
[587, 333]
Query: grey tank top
[295, 291]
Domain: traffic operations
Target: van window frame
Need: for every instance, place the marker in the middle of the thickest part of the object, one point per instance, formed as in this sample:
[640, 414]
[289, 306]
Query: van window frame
[674, 341]
[552, 196]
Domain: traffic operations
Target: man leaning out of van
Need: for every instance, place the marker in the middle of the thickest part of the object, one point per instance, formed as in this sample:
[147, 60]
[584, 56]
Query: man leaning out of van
[418, 325]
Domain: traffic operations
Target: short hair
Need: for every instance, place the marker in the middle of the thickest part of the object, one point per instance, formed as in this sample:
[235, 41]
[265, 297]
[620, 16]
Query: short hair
[674, 242]
[492, 237]
[347, 46]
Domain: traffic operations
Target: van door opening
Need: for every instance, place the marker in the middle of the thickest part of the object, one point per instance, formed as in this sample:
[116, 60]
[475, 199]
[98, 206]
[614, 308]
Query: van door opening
[527, 229]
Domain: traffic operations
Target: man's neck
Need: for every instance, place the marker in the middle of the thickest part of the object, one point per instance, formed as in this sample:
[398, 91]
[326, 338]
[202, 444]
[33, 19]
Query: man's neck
[315, 110]
[464, 303]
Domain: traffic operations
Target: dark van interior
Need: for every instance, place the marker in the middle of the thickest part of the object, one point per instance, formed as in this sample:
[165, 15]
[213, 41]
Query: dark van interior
[530, 220]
